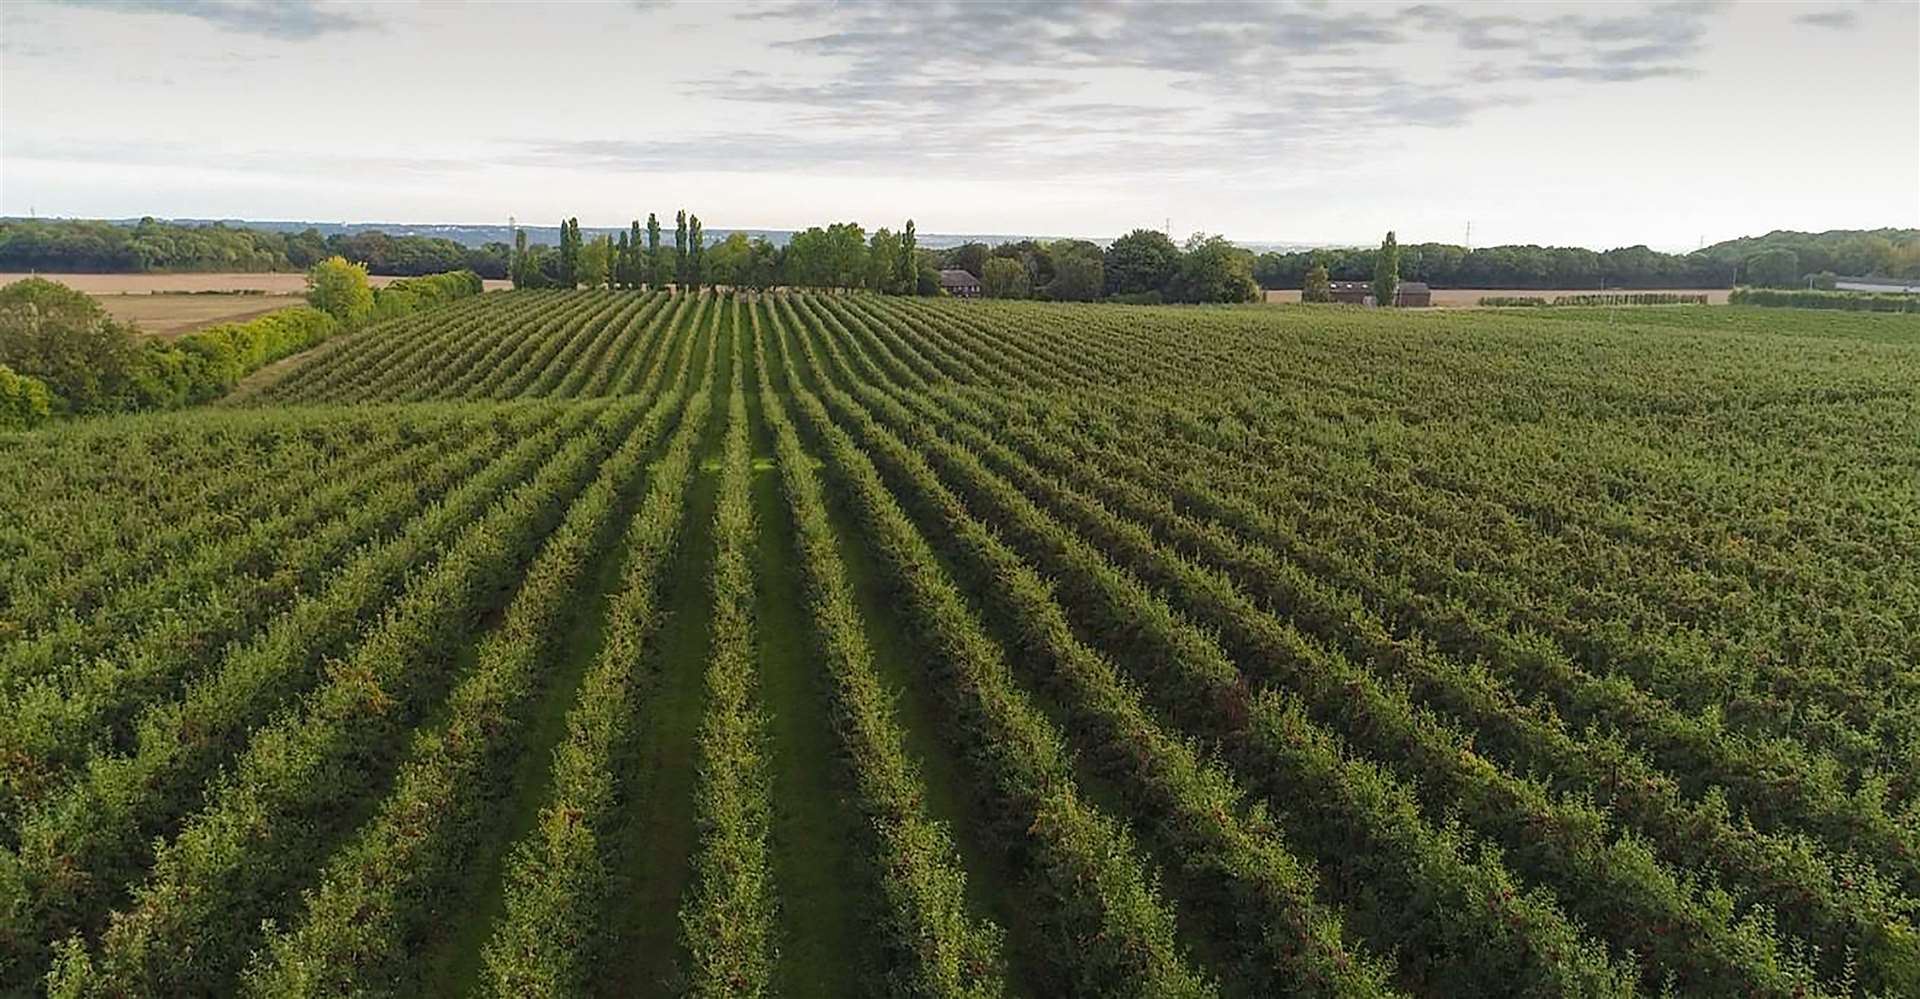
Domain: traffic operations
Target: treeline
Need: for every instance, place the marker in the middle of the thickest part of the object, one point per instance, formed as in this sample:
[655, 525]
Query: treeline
[82, 246]
[1813, 299]
[1444, 265]
[842, 255]
[1786, 259]
[1778, 259]
[62, 354]
[1143, 266]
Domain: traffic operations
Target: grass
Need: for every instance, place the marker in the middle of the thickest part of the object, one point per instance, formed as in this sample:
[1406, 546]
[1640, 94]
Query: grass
[453, 960]
[657, 836]
[816, 830]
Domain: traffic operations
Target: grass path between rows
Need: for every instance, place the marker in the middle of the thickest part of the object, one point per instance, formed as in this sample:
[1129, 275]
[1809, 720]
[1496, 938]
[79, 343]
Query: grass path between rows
[816, 834]
[657, 835]
[453, 959]
[992, 885]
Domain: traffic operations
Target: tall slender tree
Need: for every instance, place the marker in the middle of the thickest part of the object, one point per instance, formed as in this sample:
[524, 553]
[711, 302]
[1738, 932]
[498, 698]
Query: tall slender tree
[680, 247]
[520, 260]
[696, 251]
[1386, 272]
[569, 252]
[908, 275]
[621, 268]
[656, 264]
[636, 271]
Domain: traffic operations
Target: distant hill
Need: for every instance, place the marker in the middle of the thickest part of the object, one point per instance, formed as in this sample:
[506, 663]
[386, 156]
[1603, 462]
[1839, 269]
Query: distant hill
[1849, 252]
[475, 236]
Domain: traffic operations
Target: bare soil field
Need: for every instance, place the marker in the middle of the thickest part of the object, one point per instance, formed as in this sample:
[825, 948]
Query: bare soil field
[142, 284]
[1468, 298]
[172, 315]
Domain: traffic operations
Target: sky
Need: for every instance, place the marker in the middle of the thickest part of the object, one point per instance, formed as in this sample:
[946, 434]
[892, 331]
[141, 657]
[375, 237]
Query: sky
[1597, 125]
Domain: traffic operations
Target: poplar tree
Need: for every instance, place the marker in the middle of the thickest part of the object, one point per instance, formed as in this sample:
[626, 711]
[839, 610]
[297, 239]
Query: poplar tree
[520, 261]
[636, 272]
[907, 277]
[696, 248]
[1386, 272]
[656, 265]
[622, 268]
[680, 247]
[569, 253]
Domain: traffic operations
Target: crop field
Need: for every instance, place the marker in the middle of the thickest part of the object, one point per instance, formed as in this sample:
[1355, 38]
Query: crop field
[1468, 298]
[621, 643]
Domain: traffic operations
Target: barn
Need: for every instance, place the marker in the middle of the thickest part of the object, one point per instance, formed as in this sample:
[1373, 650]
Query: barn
[959, 283]
[1409, 294]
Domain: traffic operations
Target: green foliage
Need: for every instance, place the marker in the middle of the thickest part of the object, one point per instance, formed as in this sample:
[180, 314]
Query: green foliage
[1078, 274]
[339, 289]
[1317, 287]
[1005, 277]
[1213, 270]
[1624, 298]
[25, 402]
[834, 257]
[1778, 267]
[1853, 301]
[1386, 273]
[659, 269]
[1141, 261]
[696, 253]
[597, 261]
[66, 340]
[680, 272]
[204, 365]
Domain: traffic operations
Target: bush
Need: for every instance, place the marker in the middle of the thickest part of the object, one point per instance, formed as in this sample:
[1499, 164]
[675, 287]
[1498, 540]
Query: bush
[340, 289]
[204, 365]
[1856, 301]
[66, 340]
[1634, 298]
[412, 294]
[1512, 301]
[25, 402]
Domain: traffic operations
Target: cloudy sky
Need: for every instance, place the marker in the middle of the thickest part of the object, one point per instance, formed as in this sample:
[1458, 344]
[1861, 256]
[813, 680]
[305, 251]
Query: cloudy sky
[1590, 124]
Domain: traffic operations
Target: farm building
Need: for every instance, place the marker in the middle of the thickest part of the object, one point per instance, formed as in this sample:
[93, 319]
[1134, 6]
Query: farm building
[1409, 295]
[959, 283]
[1892, 286]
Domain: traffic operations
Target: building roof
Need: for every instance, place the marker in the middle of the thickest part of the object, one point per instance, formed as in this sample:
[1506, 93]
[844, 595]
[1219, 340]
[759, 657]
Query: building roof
[1875, 284]
[1367, 286]
[956, 278]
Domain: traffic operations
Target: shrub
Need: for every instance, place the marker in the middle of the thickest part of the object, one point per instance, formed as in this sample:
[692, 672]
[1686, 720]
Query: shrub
[25, 402]
[340, 289]
[66, 340]
[1855, 301]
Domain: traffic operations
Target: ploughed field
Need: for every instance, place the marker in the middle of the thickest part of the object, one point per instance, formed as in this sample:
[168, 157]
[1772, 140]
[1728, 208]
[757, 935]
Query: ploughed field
[613, 643]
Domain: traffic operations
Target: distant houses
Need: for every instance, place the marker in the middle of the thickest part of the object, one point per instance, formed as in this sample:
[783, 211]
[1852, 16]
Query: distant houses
[959, 283]
[1409, 295]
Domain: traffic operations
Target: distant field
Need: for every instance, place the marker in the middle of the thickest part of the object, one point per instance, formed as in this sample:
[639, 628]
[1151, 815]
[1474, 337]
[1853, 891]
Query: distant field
[142, 284]
[172, 315]
[1458, 298]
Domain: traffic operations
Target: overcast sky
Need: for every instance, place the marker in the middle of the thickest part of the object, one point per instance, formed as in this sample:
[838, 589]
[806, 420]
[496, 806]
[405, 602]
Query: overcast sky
[1597, 124]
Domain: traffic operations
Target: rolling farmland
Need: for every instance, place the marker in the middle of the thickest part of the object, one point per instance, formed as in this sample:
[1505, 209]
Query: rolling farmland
[612, 643]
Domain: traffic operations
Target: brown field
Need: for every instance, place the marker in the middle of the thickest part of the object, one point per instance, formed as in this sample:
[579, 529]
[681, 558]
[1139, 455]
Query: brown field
[172, 315]
[143, 284]
[1467, 298]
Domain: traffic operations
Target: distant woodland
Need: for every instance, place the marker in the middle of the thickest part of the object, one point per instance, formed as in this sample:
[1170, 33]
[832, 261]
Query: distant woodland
[1778, 259]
